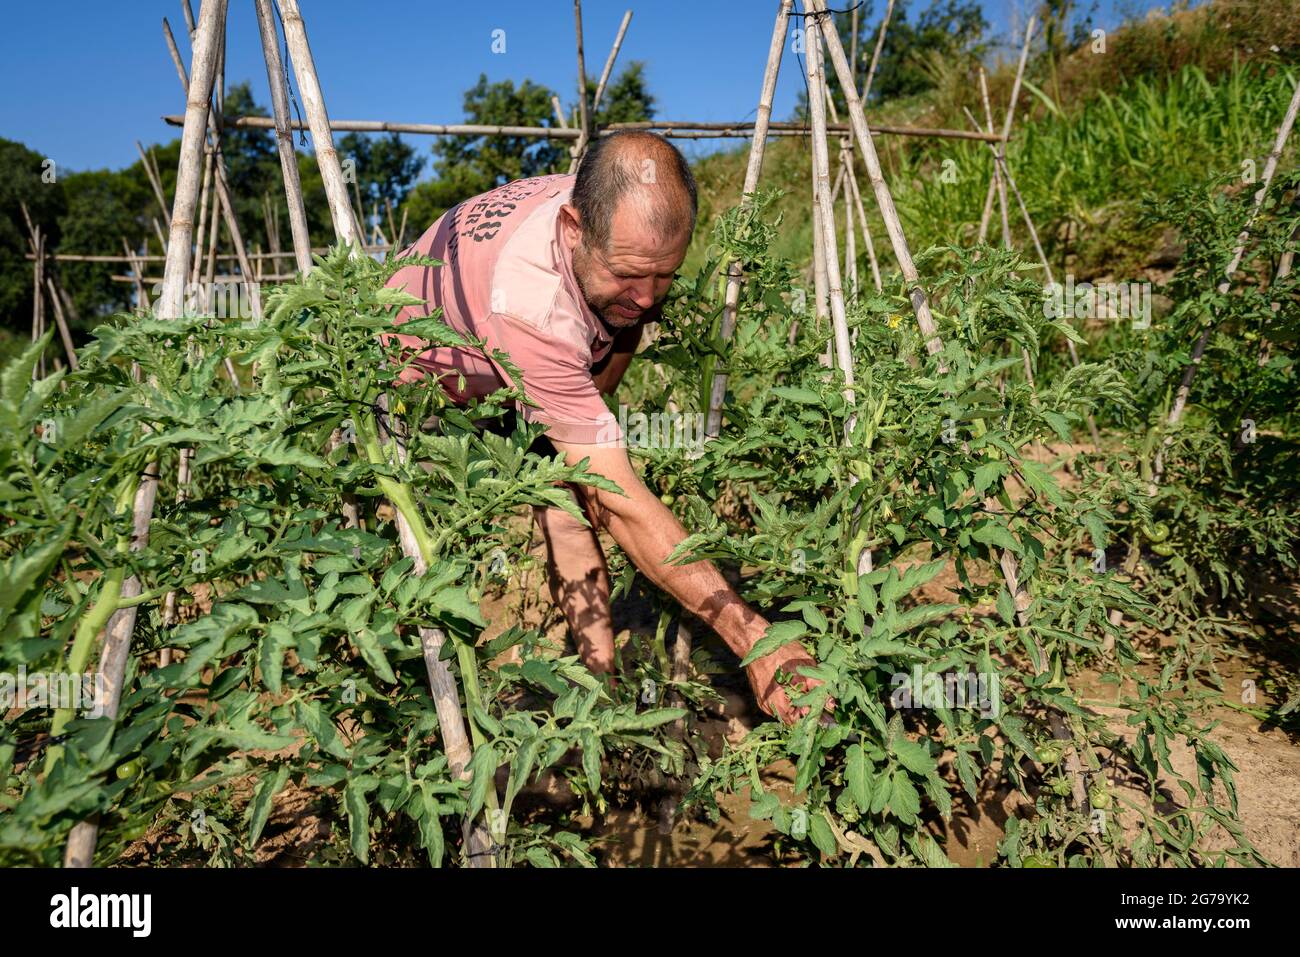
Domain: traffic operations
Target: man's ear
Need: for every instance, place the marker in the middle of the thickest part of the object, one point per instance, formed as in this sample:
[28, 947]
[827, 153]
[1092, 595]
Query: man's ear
[571, 225]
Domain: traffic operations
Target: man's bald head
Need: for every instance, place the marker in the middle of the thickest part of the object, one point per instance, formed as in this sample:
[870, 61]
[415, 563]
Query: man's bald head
[637, 168]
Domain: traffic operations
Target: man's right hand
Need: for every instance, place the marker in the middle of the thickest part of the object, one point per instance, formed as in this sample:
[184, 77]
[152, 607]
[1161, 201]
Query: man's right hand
[772, 698]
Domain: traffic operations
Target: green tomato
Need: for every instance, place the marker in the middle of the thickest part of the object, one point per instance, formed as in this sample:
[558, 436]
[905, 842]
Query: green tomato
[1061, 787]
[1050, 753]
[668, 498]
[1156, 533]
[1037, 860]
[1099, 797]
[1163, 549]
[128, 769]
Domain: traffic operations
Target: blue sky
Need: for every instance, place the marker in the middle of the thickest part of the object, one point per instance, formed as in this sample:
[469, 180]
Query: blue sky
[84, 79]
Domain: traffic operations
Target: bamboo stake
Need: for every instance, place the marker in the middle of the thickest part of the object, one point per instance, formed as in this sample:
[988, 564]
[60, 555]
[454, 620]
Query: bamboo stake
[392, 226]
[451, 719]
[61, 320]
[205, 200]
[559, 112]
[284, 137]
[313, 100]
[609, 61]
[360, 210]
[584, 118]
[920, 304]
[137, 275]
[666, 128]
[713, 423]
[875, 54]
[994, 183]
[117, 641]
[36, 242]
[1011, 110]
[38, 303]
[1185, 387]
[822, 185]
[401, 229]
[850, 243]
[210, 266]
[223, 193]
[846, 155]
[853, 42]
[866, 232]
[155, 182]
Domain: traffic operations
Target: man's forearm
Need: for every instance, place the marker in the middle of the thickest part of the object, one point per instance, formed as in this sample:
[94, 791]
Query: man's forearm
[649, 532]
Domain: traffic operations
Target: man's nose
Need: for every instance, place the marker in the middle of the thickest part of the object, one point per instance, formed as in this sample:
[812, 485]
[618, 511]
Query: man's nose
[643, 293]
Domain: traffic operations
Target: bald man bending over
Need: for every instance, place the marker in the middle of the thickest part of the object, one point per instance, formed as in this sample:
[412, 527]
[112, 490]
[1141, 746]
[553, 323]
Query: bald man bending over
[562, 273]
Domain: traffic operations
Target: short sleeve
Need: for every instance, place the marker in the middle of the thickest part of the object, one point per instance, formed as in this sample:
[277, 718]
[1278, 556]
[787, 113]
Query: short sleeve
[557, 376]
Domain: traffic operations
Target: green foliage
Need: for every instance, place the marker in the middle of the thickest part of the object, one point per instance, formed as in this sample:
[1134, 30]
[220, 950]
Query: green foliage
[308, 670]
[939, 693]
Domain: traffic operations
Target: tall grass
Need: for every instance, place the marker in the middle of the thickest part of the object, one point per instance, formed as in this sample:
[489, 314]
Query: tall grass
[1084, 167]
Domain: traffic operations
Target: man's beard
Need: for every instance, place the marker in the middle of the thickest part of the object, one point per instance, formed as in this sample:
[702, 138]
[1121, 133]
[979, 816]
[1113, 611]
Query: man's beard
[603, 307]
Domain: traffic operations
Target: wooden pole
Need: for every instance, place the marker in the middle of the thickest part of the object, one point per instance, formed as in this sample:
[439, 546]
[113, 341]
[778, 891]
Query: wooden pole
[137, 275]
[826, 217]
[853, 42]
[888, 212]
[346, 227]
[1006, 124]
[609, 62]
[875, 54]
[284, 137]
[584, 118]
[846, 155]
[38, 311]
[995, 181]
[206, 197]
[718, 392]
[667, 128]
[36, 243]
[1198, 350]
[451, 721]
[117, 641]
[155, 183]
[223, 191]
[64, 332]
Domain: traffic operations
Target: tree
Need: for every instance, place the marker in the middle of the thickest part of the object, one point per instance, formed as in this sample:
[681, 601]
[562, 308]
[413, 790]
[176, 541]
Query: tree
[386, 166]
[947, 31]
[950, 28]
[21, 181]
[465, 166]
[626, 99]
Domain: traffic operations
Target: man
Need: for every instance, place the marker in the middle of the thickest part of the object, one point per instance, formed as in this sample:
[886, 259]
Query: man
[562, 273]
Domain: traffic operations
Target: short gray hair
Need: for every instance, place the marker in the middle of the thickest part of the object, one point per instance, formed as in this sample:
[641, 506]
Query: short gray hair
[614, 168]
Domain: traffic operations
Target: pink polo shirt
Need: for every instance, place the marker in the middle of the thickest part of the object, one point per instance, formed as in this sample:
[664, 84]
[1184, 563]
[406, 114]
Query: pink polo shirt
[507, 278]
